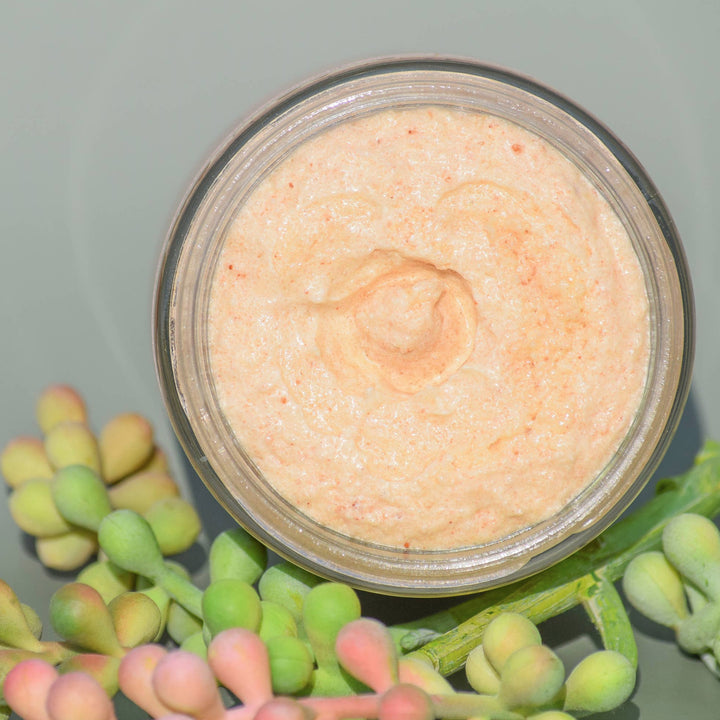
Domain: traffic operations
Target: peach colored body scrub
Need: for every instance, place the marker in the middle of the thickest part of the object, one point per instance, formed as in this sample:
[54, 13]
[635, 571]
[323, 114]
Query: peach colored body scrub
[428, 329]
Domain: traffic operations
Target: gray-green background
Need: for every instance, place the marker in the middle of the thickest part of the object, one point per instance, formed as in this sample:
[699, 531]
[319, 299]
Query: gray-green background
[107, 109]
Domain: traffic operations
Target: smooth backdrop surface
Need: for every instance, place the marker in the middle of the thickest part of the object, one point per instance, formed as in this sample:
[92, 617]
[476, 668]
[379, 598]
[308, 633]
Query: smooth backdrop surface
[107, 109]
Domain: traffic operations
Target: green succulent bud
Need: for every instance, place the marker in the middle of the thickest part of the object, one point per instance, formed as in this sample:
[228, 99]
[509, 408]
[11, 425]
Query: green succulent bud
[237, 554]
[72, 443]
[140, 491]
[34, 511]
[136, 618]
[33, 620]
[287, 585]
[24, 459]
[107, 578]
[79, 615]
[692, 545]
[327, 608]
[505, 634]
[181, 624]
[161, 598]
[276, 620]
[531, 678]
[68, 551]
[715, 649]
[231, 603]
[128, 541]
[80, 496]
[175, 524]
[480, 673]
[291, 664]
[696, 633]
[655, 588]
[195, 644]
[15, 631]
[602, 681]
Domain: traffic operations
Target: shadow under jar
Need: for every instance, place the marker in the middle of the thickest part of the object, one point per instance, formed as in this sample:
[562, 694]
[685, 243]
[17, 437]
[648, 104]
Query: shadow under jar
[423, 326]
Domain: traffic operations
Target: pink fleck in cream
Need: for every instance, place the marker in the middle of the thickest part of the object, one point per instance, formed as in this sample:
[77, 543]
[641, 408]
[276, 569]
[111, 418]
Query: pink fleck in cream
[428, 329]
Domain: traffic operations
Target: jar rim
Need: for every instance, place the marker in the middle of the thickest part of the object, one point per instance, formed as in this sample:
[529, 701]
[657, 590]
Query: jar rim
[375, 568]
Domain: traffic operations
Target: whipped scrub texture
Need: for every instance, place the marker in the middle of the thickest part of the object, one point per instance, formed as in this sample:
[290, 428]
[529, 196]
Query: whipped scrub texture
[428, 329]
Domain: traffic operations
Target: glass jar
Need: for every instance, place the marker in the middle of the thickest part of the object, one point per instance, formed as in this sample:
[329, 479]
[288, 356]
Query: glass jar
[188, 266]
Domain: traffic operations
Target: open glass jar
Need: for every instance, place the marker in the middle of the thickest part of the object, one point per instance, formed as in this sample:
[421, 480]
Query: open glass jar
[189, 269]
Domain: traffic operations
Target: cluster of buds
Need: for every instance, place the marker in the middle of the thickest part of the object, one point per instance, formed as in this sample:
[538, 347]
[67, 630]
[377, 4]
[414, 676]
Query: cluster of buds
[179, 685]
[678, 586]
[63, 484]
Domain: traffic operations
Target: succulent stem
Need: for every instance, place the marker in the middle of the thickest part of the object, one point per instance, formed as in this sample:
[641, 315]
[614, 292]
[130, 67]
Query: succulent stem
[572, 581]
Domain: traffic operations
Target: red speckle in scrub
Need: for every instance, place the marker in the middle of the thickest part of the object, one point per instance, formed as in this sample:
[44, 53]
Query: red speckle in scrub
[230, 267]
[283, 399]
[291, 185]
[406, 545]
[517, 148]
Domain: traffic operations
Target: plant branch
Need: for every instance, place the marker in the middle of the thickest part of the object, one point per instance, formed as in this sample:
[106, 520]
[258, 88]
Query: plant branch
[575, 580]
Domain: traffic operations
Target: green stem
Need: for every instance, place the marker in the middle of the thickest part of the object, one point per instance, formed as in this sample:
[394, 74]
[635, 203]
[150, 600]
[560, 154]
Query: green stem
[462, 705]
[570, 582]
[455, 706]
[605, 608]
[56, 652]
[181, 590]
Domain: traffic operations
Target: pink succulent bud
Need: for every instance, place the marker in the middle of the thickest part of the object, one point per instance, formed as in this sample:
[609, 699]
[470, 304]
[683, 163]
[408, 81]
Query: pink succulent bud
[283, 708]
[26, 687]
[239, 660]
[184, 683]
[135, 678]
[365, 649]
[77, 696]
[406, 702]
[419, 672]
